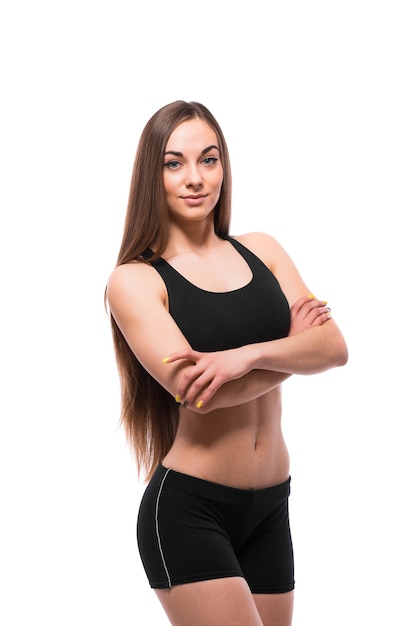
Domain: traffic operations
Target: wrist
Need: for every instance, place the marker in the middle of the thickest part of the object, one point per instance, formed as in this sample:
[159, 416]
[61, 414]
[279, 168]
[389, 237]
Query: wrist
[254, 356]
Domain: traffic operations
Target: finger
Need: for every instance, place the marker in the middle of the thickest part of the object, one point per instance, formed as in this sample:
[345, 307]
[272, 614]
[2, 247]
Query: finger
[322, 318]
[206, 395]
[188, 354]
[311, 314]
[201, 390]
[319, 307]
[312, 308]
[188, 379]
[298, 304]
[303, 307]
[203, 387]
[317, 313]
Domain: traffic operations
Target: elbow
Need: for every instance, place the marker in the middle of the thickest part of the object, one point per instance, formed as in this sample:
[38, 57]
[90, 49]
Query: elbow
[336, 345]
[341, 353]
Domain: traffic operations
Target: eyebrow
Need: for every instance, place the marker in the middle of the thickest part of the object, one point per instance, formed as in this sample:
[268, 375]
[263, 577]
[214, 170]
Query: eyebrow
[180, 154]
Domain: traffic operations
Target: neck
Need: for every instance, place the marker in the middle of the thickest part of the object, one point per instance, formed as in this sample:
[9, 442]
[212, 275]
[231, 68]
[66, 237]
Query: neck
[196, 237]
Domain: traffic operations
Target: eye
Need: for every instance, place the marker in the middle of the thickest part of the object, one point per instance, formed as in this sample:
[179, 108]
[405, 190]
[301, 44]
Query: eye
[210, 160]
[172, 165]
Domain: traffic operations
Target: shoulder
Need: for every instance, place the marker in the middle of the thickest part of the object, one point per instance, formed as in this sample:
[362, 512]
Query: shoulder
[132, 282]
[270, 251]
[130, 275]
[266, 247]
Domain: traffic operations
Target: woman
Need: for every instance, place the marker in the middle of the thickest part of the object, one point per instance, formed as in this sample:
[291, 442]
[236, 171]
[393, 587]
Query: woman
[206, 328]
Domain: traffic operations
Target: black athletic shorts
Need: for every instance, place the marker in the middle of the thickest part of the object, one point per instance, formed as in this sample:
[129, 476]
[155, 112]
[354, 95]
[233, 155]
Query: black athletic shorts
[191, 530]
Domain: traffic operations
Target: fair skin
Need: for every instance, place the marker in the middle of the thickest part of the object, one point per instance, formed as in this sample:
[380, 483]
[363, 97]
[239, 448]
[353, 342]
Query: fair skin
[233, 397]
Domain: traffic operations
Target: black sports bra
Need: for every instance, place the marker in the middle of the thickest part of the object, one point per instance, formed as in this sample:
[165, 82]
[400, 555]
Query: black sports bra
[214, 321]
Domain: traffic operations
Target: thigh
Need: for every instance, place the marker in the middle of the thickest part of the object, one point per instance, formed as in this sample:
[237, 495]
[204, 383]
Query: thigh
[267, 558]
[182, 537]
[275, 609]
[218, 602]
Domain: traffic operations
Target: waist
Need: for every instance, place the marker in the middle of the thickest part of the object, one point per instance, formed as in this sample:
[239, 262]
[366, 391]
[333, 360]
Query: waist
[218, 491]
[236, 449]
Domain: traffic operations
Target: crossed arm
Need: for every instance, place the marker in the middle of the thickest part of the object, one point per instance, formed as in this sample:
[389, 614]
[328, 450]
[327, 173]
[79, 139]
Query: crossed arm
[206, 381]
[221, 379]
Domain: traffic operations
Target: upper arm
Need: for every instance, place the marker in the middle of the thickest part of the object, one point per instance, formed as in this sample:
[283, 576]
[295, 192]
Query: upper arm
[294, 288]
[137, 300]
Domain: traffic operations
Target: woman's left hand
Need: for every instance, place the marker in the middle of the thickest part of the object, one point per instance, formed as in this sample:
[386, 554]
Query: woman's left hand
[211, 370]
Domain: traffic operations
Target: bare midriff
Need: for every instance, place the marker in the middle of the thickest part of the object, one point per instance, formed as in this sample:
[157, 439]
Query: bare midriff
[241, 446]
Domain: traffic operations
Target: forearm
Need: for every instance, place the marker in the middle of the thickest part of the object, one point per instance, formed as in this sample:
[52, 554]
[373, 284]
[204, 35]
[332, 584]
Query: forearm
[234, 376]
[242, 390]
[309, 352]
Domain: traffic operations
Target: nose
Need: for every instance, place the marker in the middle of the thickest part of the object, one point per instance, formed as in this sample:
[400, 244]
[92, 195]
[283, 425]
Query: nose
[193, 177]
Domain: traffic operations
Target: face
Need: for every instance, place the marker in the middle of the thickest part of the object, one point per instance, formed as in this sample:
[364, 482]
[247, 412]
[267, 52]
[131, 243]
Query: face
[193, 172]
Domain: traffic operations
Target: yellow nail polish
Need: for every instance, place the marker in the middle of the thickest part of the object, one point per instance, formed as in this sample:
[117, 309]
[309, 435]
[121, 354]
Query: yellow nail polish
[166, 359]
[199, 404]
[311, 296]
[178, 398]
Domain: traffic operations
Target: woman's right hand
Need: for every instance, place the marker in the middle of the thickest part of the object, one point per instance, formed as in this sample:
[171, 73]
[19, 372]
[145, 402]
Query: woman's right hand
[307, 312]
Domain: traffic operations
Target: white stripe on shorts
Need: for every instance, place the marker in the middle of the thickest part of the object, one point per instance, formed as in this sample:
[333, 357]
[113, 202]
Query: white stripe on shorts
[157, 528]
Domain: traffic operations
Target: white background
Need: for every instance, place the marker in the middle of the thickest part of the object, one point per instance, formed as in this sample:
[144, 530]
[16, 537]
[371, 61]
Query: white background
[318, 103]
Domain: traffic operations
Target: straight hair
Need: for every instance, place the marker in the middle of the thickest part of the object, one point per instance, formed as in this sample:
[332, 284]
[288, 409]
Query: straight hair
[149, 413]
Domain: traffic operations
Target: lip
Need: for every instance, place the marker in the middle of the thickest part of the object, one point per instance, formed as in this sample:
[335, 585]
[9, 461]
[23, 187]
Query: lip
[194, 199]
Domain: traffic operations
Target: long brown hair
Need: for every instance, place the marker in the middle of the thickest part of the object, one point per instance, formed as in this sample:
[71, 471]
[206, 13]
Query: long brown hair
[148, 412]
